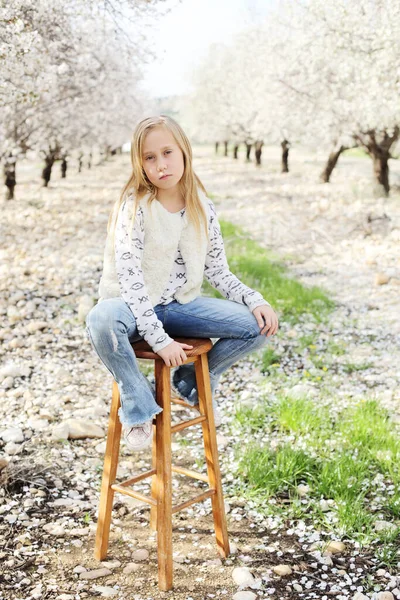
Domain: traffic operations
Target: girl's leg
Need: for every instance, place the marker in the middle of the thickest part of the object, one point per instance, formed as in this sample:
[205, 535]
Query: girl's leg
[110, 327]
[233, 323]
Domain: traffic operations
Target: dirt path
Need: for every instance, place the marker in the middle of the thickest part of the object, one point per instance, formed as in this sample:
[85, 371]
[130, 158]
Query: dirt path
[51, 261]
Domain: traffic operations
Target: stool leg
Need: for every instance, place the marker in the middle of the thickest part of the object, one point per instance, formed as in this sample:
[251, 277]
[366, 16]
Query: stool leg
[109, 475]
[153, 509]
[211, 452]
[164, 477]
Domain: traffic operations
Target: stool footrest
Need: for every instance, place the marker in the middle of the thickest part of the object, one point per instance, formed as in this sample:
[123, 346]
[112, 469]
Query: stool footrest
[132, 494]
[138, 478]
[199, 498]
[181, 402]
[184, 424]
[189, 473]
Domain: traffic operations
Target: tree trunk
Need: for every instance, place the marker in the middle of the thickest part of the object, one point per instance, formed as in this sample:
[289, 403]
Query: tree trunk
[216, 147]
[63, 167]
[9, 176]
[226, 148]
[80, 162]
[248, 150]
[378, 145]
[46, 173]
[258, 151]
[331, 164]
[381, 171]
[285, 144]
[89, 164]
[235, 150]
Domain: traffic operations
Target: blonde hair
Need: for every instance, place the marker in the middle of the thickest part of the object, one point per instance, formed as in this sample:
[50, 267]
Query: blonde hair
[139, 185]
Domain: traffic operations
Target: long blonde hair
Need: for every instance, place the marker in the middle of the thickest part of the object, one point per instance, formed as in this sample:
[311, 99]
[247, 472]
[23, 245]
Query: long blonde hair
[139, 185]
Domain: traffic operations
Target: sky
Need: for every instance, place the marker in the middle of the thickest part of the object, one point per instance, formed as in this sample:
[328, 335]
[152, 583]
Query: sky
[182, 37]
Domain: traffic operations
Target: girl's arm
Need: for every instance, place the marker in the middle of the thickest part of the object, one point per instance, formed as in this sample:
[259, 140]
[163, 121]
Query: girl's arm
[217, 271]
[128, 260]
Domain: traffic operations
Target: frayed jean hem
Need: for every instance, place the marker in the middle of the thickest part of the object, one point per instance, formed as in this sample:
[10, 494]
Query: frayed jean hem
[127, 422]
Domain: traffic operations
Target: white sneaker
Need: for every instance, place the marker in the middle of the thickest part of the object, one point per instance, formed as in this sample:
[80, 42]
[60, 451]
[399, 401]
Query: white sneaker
[140, 436]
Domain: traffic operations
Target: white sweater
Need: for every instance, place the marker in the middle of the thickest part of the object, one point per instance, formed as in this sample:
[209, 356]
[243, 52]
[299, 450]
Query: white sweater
[161, 262]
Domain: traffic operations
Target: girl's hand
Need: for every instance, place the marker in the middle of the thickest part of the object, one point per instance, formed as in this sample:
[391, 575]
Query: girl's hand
[266, 319]
[174, 354]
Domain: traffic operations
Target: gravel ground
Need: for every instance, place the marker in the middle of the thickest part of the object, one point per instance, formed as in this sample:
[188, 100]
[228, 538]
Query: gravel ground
[52, 385]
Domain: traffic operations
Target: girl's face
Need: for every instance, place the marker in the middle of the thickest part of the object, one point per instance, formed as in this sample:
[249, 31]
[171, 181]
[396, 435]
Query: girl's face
[162, 158]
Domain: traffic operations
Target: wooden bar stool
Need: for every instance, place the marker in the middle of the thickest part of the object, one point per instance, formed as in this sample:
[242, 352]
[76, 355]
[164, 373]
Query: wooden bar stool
[161, 510]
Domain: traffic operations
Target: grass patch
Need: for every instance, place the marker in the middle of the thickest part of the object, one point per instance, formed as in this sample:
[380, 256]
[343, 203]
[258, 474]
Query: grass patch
[350, 459]
[264, 272]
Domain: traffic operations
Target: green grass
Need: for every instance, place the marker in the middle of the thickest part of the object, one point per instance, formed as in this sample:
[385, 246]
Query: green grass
[356, 152]
[337, 454]
[264, 272]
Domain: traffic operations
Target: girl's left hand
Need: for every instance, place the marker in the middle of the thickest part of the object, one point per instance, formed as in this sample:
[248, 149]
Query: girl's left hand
[266, 319]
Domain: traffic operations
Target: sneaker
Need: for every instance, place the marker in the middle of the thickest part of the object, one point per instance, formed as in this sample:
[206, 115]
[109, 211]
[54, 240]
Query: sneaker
[140, 436]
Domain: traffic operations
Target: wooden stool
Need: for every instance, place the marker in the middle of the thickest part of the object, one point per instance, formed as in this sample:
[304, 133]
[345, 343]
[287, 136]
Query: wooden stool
[161, 510]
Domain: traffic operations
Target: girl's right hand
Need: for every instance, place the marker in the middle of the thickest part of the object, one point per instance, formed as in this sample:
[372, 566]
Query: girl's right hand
[174, 354]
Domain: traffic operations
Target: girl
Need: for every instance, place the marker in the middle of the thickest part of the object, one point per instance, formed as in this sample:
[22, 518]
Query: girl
[163, 237]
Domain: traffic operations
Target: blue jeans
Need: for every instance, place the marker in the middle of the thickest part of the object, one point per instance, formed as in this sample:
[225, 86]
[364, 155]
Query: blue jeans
[111, 327]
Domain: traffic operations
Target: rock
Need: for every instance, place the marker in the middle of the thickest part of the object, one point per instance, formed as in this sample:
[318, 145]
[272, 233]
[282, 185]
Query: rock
[79, 531]
[302, 390]
[3, 463]
[79, 569]
[282, 570]
[360, 596]
[110, 564]
[105, 591]
[86, 303]
[385, 596]
[233, 549]
[222, 440]
[381, 278]
[95, 574]
[12, 434]
[12, 449]
[38, 424]
[131, 568]
[297, 587]
[141, 555]
[384, 525]
[54, 529]
[324, 505]
[65, 597]
[244, 596]
[381, 572]
[335, 547]
[60, 431]
[242, 576]
[325, 560]
[80, 429]
[13, 370]
[303, 490]
[34, 326]
[14, 315]
[8, 383]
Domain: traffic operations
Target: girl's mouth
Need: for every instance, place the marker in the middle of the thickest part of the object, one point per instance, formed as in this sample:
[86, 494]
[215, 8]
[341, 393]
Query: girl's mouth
[165, 176]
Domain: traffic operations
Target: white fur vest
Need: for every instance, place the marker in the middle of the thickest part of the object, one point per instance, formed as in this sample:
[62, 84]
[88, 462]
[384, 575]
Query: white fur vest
[163, 232]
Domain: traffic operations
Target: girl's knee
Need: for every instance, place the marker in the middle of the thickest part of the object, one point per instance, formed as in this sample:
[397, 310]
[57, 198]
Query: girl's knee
[101, 316]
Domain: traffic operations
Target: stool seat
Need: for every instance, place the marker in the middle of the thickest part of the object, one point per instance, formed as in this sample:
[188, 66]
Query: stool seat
[161, 503]
[200, 345]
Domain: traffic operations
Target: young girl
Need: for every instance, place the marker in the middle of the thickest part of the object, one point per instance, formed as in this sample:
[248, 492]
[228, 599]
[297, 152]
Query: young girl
[163, 237]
